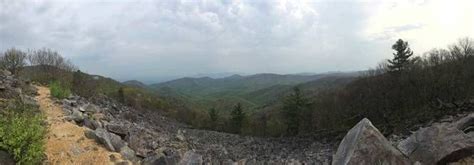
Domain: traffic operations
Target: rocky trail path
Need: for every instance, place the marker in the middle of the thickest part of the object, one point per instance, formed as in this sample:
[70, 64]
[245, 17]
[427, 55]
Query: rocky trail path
[65, 141]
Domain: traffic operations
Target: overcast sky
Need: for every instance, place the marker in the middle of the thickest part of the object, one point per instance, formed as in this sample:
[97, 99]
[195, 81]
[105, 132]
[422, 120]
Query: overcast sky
[151, 40]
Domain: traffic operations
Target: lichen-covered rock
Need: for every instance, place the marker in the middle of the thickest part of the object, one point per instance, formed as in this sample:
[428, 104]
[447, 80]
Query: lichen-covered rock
[364, 144]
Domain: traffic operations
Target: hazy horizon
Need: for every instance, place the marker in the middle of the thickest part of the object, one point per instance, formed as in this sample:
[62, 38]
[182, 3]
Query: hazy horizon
[154, 80]
[153, 41]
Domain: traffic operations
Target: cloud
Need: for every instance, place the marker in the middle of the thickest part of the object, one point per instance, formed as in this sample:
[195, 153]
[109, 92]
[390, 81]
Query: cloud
[149, 39]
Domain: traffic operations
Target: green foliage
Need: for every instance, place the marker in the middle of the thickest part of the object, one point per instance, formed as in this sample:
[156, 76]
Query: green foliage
[21, 133]
[214, 116]
[401, 56]
[58, 90]
[121, 95]
[294, 106]
[237, 118]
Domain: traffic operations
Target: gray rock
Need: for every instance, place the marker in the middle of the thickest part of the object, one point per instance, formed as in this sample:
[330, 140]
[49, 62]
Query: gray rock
[180, 135]
[364, 144]
[121, 130]
[91, 108]
[138, 141]
[116, 141]
[465, 123]
[128, 154]
[154, 159]
[71, 103]
[191, 158]
[6, 158]
[77, 116]
[101, 136]
[92, 124]
[439, 144]
[28, 100]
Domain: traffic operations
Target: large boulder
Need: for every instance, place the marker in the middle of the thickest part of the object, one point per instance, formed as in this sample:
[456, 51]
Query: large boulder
[364, 144]
[440, 143]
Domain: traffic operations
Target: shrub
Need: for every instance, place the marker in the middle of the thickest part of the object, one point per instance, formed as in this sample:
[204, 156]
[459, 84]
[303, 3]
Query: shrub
[21, 133]
[59, 91]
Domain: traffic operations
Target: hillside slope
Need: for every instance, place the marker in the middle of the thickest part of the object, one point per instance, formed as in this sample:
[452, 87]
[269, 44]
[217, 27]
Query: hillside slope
[252, 91]
[66, 142]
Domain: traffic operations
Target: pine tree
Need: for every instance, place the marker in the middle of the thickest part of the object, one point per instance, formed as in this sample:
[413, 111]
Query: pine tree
[214, 116]
[237, 117]
[294, 105]
[121, 95]
[78, 82]
[401, 56]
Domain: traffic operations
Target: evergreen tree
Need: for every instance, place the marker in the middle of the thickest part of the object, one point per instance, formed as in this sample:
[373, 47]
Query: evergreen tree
[294, 105]
[78, 82]
[237, 117]
[214, 116]
[121, 95]
[401, 56]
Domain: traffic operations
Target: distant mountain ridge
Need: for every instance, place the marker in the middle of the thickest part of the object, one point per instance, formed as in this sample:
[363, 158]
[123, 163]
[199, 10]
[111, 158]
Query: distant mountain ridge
[252, 90]
[135, 83]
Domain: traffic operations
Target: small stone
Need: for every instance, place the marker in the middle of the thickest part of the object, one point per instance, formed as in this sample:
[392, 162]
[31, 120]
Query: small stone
[112, 157]
[180, 136]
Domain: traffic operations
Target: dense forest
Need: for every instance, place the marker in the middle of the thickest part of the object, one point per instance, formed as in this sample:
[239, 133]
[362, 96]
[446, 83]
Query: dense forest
[398, 93]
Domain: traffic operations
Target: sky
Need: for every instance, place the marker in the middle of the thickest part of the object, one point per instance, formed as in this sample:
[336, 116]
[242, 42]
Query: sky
[156, 40]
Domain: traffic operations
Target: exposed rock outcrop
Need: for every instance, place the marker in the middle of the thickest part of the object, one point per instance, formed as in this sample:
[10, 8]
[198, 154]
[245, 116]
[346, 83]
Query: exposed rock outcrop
[441, 143]
[364, 144]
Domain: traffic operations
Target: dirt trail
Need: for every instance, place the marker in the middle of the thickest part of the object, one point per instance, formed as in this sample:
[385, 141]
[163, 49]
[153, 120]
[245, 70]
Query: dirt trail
[66, 142]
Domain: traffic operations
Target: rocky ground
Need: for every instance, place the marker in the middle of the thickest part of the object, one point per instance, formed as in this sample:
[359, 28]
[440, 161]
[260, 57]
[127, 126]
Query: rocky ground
[155, 138]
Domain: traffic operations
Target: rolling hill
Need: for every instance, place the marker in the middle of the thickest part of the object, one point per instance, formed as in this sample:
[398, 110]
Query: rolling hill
[252, 91]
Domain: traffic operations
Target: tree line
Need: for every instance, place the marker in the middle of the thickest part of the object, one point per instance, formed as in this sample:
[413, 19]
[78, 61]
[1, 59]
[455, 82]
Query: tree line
[398, 94]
